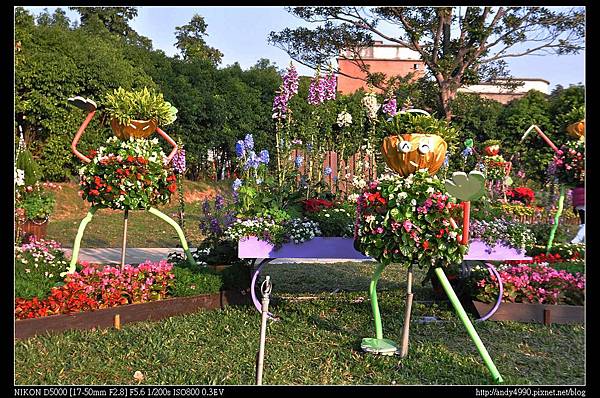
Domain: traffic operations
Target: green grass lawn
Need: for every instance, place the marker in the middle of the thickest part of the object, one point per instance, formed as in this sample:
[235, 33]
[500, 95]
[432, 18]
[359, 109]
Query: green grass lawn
[144, 229]
[317, 341]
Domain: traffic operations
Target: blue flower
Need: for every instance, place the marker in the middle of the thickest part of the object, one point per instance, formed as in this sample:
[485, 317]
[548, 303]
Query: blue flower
[298, 161]
[236, 184]
[252, 161]
[467, 151]
[264, 156]
[328, 171]
[249, 141]
[240, 149]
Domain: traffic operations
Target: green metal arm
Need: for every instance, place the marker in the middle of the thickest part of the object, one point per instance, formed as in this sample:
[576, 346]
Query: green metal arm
[174, 224]
[561, 201]
[78, 237]
[468, 325]
[374, 304]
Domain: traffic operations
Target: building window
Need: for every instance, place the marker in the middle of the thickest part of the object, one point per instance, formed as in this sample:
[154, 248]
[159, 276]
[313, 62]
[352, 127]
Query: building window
[416, 66]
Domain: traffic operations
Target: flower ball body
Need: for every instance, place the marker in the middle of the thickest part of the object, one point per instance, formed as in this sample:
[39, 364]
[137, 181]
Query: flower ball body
[406, 220]
[127, 175]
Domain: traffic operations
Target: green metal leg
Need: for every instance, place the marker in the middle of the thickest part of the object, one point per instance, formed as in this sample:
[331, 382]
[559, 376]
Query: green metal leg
[78, 237]
[468, 325]
[377, 345]
[172, 222]
[561, 201]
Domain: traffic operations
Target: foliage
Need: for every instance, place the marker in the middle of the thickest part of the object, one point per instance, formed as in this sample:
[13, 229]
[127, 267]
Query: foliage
[568, 165]
[495, 168]
[522, 195]
[126, 106]
[37, 202]
[335, 221]
[216, 248]
[191, 43]
[95, 288]
[269, 227]
[127, 175]
[407, 221]
[190, 283]
[564, 251]
[567, 106]
[31, 170]
[57, 162]
[476, 117]
[499, 231]
[531, 284]
[38, 264]
[541, 232]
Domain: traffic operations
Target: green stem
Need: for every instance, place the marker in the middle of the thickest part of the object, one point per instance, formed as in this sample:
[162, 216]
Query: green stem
[468, 325]
[78, 237]
[171, 222]
[374, 305]
[561, 201]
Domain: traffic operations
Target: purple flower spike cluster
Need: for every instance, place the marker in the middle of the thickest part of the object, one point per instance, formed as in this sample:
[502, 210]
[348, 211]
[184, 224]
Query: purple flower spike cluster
[244, 149]
[288, 88]
[178, 161]
[240, 149]
[322, 89]
[390, 107]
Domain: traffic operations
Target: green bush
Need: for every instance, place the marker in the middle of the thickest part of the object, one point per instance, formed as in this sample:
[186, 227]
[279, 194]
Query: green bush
[57, 160]
[236, 277]
[30, 167]
[190, 283]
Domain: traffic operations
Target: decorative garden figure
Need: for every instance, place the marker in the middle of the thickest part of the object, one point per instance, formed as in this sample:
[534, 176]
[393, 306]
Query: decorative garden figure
[144, 179]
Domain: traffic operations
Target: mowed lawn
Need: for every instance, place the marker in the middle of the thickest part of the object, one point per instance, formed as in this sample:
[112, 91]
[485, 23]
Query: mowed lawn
[324, 312]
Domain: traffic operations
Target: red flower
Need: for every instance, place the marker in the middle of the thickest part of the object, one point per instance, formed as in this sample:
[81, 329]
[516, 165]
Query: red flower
[172, 188]
[130, 158]
[426, 245]
[314, 205]
[94, 192]
[92, 152]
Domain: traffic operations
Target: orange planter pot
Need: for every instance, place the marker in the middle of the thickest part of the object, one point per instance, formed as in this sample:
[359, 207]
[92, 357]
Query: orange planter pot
[491, 150]
[135, 129]
[576, 130]
[407, 153]
[36, 228]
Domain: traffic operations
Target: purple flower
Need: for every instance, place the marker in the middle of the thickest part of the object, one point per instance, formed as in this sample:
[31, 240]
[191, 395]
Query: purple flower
[330, 86]
[390, 106]
[317, 90]
[264, 156]
[328, 171]
[467, 152]
[219, 202]
[298, 161]
[240, 149]
[178, 161]
[253, 161]
[206, 207]
[236, 184]
[288, 88]
[249, 142]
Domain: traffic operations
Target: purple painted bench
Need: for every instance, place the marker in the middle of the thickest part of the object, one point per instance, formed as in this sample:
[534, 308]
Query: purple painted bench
[343, 248]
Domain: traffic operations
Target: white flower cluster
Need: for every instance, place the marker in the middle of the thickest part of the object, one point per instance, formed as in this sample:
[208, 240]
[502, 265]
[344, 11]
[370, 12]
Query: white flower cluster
[344, 119]
[253, 227]
[19, 177]
[359, 182]
[369, 101]
[301, 230]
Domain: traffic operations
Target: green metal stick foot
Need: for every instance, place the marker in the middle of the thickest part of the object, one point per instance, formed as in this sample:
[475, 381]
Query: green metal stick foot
[377, 345]
[186, 250]
[561, 201]
[77, 244]
[468, 325]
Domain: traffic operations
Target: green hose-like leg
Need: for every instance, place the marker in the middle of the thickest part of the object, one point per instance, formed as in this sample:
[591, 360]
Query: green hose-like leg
[172, 222]
[78, 237]
[561, 201]
[377, 345]
[468, 325]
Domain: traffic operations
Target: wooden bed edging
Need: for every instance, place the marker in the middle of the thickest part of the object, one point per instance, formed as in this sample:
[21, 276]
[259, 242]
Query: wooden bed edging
[533, 313]
[104, 318]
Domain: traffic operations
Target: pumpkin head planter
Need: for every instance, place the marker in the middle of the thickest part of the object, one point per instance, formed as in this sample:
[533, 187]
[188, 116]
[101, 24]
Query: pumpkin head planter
[576, 130]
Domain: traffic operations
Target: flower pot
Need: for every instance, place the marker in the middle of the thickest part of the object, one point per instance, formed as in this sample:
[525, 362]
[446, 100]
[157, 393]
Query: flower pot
[135, 129]
[407, 153]
[219, 267]
[36, 228]
[492, 150]
[577, 129]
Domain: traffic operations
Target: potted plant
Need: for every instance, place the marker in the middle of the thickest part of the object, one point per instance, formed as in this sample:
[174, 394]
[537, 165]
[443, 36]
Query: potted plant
[575, 121]
[137, 113]
[491, 147]
[217, 251]
[34, 209]
[416, 141]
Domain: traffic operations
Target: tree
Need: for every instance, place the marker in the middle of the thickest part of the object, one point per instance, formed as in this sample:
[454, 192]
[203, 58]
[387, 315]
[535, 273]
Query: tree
[457, 49]
[190, 41]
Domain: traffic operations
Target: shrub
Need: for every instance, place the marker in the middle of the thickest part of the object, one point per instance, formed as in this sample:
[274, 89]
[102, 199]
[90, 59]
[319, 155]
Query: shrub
[126, 106]
[335, 221]
[190, 283]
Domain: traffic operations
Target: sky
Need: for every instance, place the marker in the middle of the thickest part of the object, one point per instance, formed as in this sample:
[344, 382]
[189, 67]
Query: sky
[241, 34]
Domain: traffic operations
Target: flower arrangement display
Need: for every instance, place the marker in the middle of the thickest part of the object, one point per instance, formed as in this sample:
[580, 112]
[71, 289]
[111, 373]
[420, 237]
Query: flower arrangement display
[530, 284]
[36, 202]
[126, 106]
[314, 205]
[302, 230]
[522, 195]
[335, 221]
[568, 165]
[498, 231]
[407, 221]
[38, 264]
[94, 288]
[268, 228]
[494, 168]
[127, 175]
[216, 248]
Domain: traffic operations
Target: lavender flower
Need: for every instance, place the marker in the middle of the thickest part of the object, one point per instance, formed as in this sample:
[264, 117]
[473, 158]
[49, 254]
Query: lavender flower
[249, 142]
[328, 171]
[236, 184]
[330, 86]
[206, 207]
[178, 161]
[467, 152]
[317, 90]
[253, 161]
[219, 202]
[240, 149]
[286, 91]
[297, 142]
[390, 106]
[264, 156]
[298, 161]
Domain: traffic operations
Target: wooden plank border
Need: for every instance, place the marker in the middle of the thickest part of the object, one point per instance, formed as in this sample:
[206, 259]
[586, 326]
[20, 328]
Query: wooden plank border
[151, 311]
[533, 313]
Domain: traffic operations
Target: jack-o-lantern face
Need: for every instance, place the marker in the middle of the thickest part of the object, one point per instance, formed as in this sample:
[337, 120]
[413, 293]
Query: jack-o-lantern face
[408, 153]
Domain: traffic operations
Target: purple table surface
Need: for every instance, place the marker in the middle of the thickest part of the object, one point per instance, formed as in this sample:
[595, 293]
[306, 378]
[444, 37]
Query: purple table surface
[343, 248]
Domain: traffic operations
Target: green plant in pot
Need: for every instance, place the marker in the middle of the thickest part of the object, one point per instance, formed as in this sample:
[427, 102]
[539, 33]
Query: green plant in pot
[137, 113]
